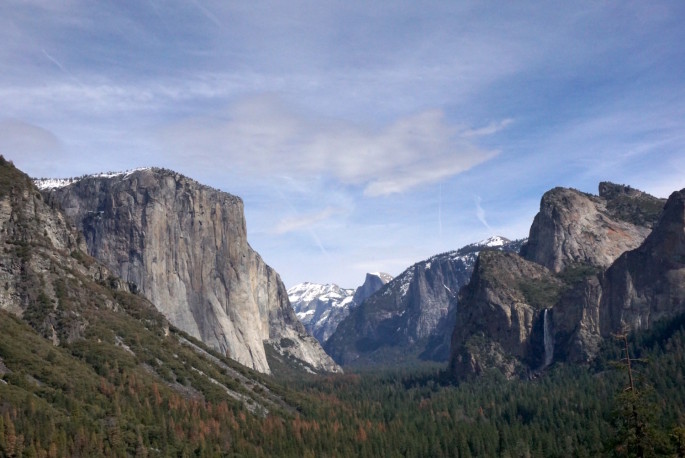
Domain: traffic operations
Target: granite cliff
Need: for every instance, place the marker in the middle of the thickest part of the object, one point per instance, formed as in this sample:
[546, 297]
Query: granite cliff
[577, 228]
[184, 247]
[647, 284]
[79, 351]
[502, 305]
[593, 266]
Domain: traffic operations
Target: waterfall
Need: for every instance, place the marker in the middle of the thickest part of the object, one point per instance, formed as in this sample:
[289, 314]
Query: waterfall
[548, 339]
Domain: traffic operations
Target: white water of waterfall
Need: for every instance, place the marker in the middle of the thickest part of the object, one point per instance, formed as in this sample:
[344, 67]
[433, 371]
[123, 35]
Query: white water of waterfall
[548, 339]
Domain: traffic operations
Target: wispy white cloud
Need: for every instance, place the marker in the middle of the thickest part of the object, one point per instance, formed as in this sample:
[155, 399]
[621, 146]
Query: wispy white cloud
[262, 137]
[570, 93]
[300, 222]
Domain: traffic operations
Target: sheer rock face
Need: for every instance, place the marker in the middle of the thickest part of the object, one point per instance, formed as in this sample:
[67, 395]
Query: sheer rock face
[372, 283]
[648, 284]
[577, 228]
[185, 248]
[576, 321]
[500, 319]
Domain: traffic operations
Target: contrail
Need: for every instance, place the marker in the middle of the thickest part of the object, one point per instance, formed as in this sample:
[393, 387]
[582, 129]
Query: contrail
[311, 231]
[61, 67]
[480, 213]
[208, 14]
[56, 62]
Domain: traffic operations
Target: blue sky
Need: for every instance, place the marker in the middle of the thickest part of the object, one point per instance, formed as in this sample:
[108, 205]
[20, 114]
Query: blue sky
[362, 136]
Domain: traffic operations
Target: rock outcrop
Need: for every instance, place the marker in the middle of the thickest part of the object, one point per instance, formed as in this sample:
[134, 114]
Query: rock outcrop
[184, 247]
[594, 269]
[648, 284]
[501, 306]
[411, 318]
[577, 228]
[372, 283]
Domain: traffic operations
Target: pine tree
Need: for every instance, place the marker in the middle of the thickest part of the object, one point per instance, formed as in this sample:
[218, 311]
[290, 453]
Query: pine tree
[634, 418]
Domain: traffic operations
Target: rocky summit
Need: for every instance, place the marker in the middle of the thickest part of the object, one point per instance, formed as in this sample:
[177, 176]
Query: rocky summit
[322, 307]
[184, 247]
[573, 227]
[593, 266]
[411, 318]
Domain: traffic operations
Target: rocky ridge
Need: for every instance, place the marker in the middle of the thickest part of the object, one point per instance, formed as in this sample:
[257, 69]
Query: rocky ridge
[410, 319]
[322, 307]
[593, 266]
[577, 228]
[184, 247]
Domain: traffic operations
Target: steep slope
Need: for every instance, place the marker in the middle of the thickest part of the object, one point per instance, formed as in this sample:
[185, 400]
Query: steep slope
[411, 318]
[322, 307]
[577, 228]
[184, 247]
[372, 283]
[573, 239]
[88, 368]
[505, 301]
[648, 283]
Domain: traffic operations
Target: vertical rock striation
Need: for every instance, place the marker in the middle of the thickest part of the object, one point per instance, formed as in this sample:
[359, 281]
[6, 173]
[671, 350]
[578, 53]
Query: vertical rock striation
[184, 246]
[648, 284]
[502, 314]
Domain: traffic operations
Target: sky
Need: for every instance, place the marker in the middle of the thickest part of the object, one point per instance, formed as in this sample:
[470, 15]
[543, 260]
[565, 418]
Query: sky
[362, 136]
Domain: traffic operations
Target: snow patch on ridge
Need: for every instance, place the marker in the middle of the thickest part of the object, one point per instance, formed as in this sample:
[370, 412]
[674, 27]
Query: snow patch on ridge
[51, 183]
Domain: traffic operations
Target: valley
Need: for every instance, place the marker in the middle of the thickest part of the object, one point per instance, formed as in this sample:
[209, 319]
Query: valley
[500, 348]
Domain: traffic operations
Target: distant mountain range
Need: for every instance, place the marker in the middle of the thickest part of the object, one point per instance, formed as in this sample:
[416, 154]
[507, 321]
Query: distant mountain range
[322, 307]
[411, 318]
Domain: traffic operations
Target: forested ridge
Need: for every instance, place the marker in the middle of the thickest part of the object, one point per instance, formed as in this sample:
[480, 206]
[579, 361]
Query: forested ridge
[85, 400]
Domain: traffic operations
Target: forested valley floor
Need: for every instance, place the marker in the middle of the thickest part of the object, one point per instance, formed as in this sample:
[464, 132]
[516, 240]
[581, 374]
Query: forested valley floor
[76, 401]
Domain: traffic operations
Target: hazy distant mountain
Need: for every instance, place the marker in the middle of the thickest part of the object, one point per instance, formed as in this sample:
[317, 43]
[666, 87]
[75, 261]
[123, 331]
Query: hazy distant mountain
[322, 307]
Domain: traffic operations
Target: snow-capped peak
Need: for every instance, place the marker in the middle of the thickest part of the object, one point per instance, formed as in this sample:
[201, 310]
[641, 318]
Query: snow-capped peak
[307, 292]
[494, 241]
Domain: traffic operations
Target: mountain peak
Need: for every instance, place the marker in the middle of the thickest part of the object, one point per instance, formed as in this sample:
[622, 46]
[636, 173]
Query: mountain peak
[494, 241]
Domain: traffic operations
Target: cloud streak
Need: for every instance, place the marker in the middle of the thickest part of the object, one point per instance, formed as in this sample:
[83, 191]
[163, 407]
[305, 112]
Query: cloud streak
[262, 137]
[300, 222]
[480, 213]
